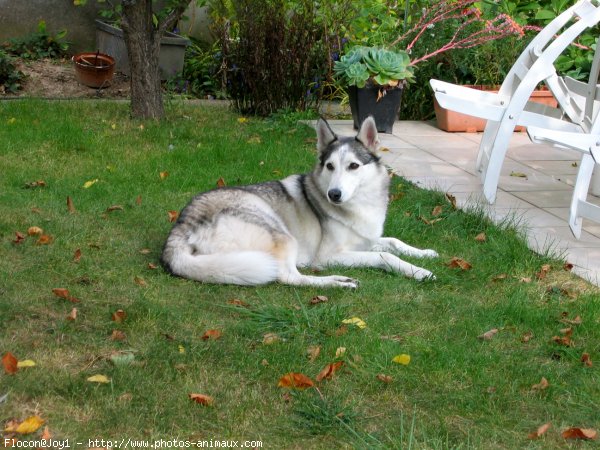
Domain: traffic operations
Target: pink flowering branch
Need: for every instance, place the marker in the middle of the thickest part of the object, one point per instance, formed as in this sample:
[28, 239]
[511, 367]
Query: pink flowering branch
[465, 14]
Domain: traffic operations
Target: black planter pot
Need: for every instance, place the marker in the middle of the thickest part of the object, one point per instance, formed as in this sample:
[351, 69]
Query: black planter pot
[363, 103]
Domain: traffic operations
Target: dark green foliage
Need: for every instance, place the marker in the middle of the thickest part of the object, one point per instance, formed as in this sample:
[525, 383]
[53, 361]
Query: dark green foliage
[272, 55]
[38, 45]
[10, 76]
[201, 71]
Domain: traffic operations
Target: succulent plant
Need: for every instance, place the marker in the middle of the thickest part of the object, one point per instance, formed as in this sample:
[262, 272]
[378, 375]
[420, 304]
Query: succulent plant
[378, 65]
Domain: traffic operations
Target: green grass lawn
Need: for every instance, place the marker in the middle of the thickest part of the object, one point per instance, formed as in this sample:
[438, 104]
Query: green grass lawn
[458, 391]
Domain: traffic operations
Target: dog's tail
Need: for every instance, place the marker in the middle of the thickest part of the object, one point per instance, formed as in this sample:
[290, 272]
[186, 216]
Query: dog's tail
[246, 268]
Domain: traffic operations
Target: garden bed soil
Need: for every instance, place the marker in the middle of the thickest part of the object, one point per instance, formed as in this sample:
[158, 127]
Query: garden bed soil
[51, 78]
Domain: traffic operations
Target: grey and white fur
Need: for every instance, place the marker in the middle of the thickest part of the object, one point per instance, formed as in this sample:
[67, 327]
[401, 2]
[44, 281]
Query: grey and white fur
[332, 216]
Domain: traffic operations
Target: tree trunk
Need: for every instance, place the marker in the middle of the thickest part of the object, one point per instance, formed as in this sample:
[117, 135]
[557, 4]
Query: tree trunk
[142, 39]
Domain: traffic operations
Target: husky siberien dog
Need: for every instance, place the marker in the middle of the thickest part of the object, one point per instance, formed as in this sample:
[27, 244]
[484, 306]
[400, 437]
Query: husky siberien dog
[261, 233]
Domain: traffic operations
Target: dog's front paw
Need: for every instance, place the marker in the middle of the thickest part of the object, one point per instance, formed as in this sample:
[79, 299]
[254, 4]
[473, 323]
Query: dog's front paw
[429, 254]
[423, 275]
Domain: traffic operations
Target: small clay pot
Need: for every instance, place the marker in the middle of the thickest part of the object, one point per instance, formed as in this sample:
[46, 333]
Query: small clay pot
[94, 69]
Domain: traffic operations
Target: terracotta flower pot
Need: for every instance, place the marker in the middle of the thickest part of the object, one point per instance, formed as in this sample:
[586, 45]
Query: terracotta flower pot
[94, 69]
[457, 122]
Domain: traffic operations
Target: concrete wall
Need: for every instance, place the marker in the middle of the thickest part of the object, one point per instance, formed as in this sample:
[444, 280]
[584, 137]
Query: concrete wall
[20, 17]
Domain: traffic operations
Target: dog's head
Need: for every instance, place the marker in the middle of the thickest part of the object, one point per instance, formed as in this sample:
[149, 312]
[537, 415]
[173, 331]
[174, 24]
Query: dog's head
[345, 163]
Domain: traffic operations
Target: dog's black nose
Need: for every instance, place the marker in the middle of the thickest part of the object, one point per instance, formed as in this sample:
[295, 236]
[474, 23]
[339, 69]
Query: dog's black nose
[335, 195]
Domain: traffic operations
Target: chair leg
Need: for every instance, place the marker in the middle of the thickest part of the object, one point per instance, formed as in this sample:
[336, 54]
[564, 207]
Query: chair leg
[580, 192]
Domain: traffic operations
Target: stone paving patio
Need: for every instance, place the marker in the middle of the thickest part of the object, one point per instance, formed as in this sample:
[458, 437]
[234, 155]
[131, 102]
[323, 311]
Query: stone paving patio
[539, 202]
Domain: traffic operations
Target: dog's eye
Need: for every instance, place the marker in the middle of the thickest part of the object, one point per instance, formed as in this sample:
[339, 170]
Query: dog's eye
[329, 166]
[353, 166]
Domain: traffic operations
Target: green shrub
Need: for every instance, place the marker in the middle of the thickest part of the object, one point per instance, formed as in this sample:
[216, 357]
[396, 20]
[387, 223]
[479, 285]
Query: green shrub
[38, 45]
[10, 76]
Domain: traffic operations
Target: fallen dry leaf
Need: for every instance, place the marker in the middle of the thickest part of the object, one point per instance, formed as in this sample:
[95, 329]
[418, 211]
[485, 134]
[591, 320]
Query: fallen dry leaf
[90, 183]
[211, 334]
[118, 335]
[30, 425]
[70, 205]
[580, 433]
[500, 277]
[576, 321]
[384, 378]
[527, 337]
[152, 266]
[45, 239]
[541, 386]
[543, 272]
[481, 237]
[329, 370]
[138, 200]
[238, 302]
[355, 321]
[568, 267]
[26, 363]
[221, 182]
[77, 255]
[10, 363]
[72, 315]
[139, 281]
[318, 299]
[64, 293]
[19, 238]
[313, 352]
[114, 208]
[403, 359]
[460, 263]
[103, 379]
[452, 199]
[295, 380]
[173, 215]
[46, 434]
[270, 338]
[541, 430]
[564, 340]
[586, 360]
[340, 351]
[34, 231]
[35, 184]
[118, 316]
[202, 399]
[437, 211]
[163, 175]
[525, 280]
[488, 335]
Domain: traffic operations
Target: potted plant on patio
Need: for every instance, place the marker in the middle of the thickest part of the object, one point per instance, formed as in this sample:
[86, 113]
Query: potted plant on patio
[375, 78]
[460, 25]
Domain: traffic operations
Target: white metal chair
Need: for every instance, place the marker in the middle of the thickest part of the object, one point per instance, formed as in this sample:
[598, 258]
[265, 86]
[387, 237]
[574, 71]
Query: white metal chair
[510, 106]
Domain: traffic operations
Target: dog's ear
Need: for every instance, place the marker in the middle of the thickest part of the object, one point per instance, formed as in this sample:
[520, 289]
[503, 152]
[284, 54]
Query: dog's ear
[368, 134]
[325, 135]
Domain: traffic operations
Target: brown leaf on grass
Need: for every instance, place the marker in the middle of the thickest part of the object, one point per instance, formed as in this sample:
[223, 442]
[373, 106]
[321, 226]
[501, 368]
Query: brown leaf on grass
[525, 280]
[145, 251]
[10, 361]
[139, 281]
[118, 316]
[313, 352]
[202, 399]
[384, 378]
[19, 238]
[527, 337]
[45, 239]
[459, 263]
[118, 335]
[77, 255]
[152, 266]
[543, 272]
[221, 182]
[481, 237]
[173, 215]
[70, 205]
[576, 321]
[580, 433]
[138, 200]
[35, 184]
[34, 231]
[163, 175]
[46, 435]
[295, 380]
[427, 221]
[72, 315]
[238, 302]
[500, 277]
[568, 267]
[452, 199]
[114, 208]
[436, 211]
[270, 338]
[488, 335]
[586, 360]
[211, 334]
[564, 340]
[64, 293]
[329, 370]
[541, 430]
[318, 299]
[541, 386]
